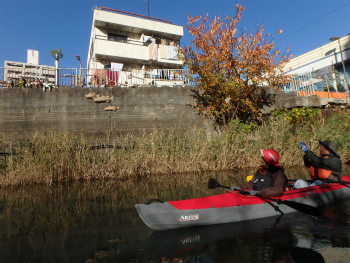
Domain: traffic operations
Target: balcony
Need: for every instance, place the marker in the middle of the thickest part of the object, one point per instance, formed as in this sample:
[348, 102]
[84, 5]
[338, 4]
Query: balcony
[107, 19]
[132, 51]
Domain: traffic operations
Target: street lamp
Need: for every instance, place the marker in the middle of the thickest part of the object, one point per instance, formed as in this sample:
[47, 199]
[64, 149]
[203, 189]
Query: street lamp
[342, 61]
[79, 77]
[78, 58]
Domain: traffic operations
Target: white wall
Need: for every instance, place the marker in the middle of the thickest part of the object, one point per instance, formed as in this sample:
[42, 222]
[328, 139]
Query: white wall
[134, 52]
[33, 57]
[318, 58]
[136, 22]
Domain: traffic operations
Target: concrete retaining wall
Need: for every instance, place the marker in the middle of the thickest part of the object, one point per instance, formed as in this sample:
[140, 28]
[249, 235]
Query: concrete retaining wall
[67, 108]
[145, 107]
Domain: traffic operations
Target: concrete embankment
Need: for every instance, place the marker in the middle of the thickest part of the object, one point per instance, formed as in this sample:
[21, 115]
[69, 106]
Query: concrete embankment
[67, 108]
[130, 108]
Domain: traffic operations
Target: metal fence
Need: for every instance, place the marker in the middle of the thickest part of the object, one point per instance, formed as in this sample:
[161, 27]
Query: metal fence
[327, 85]
[301, 82]
[13, 77]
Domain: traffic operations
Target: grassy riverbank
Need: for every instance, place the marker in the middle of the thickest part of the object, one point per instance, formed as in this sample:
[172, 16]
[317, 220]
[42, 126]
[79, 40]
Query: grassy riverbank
[50, 156]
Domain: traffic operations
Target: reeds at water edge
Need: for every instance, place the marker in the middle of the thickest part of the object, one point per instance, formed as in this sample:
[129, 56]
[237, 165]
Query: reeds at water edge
[53, 156]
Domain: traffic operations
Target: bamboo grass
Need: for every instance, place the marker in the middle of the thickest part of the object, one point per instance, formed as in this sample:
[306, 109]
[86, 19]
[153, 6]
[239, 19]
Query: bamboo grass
[55, 156]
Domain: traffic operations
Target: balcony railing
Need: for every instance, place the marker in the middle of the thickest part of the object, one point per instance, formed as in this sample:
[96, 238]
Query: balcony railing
[120, 39]
[92, 77]
[326, 86]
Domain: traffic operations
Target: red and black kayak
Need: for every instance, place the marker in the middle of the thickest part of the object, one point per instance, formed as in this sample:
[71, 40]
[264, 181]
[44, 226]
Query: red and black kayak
[235, 206]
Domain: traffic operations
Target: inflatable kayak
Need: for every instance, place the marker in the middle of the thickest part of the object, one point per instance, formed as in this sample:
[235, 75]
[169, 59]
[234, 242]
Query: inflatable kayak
[236, 206]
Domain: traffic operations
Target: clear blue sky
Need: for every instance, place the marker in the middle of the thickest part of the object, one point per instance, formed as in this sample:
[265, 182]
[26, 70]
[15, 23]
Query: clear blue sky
[51, 24]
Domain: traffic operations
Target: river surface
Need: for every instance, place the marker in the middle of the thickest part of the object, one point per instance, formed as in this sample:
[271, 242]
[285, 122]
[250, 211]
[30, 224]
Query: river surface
[98, 222]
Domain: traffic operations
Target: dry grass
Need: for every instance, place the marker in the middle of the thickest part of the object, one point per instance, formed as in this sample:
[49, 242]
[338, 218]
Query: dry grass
[54, 156]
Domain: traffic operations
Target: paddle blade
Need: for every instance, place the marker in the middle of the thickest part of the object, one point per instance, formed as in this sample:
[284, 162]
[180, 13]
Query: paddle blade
[212, 183]
[307, 209]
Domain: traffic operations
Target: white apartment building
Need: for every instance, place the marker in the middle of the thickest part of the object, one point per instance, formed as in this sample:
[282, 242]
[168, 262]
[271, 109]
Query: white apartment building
[29, 71]
[126, 41]
[322, 67]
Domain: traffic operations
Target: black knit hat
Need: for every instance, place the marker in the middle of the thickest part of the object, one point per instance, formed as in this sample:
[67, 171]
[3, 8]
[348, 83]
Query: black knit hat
[330, 146]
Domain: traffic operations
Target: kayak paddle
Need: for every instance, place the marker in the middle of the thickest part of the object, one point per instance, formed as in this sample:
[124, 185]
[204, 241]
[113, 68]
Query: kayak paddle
[339, 182]
[306, 209]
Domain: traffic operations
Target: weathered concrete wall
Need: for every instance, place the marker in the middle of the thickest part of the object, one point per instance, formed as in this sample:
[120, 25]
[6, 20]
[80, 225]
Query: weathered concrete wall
[144, 107]
[291, 100]
[68, 109]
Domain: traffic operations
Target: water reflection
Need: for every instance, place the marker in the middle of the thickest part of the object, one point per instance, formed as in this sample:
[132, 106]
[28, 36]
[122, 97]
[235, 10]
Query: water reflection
[97, 222]
[265, 240]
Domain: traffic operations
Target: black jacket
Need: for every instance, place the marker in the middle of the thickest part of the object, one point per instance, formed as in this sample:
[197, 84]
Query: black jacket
[280, 181]
[332, 163]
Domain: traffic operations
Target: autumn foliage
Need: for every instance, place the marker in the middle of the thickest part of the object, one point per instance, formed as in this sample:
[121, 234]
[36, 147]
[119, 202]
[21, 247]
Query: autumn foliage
[228, 66]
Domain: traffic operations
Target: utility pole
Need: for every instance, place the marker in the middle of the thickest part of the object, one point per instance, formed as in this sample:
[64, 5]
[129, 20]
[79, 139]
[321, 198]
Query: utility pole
[57, 54]
[345, 75]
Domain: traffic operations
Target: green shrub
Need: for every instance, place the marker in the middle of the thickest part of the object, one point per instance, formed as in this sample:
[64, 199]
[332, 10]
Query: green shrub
[297, 115]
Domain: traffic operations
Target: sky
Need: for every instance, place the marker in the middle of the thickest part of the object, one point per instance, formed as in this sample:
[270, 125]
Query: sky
[45, 25]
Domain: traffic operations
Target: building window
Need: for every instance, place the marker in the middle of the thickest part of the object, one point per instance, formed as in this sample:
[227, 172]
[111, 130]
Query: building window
[117, 37]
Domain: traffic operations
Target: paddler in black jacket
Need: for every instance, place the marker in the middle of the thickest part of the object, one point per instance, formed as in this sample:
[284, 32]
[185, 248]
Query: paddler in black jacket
[270, 179]
[327, 166]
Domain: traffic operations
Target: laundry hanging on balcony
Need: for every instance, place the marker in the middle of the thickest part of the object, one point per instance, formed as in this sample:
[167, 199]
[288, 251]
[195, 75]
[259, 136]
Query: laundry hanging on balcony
[105, 76]
[167, 52]
[153, 51]
[116, 66]
[112, 78]
[172, 52]
[163, 52]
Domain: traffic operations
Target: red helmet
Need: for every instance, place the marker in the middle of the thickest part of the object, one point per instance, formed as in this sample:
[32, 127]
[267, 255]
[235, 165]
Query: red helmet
[271, 156]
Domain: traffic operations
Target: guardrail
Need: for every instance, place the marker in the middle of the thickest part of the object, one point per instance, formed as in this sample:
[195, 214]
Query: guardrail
[31, 77]
[324, 86]
[302, 85]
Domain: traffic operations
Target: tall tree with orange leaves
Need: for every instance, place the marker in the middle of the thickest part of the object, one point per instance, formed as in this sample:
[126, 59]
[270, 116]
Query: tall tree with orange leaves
[229, 66]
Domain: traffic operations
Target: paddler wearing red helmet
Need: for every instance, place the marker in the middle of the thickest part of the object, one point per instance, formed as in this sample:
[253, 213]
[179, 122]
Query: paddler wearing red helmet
[270, 178]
